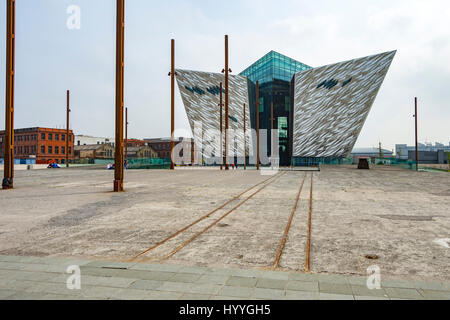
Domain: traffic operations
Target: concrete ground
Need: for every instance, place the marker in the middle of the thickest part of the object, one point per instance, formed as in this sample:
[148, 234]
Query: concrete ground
[401, 217]
[31, 278]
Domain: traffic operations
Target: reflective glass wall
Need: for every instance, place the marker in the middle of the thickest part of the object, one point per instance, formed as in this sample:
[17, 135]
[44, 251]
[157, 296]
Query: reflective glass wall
[273, 66]
[274, 72]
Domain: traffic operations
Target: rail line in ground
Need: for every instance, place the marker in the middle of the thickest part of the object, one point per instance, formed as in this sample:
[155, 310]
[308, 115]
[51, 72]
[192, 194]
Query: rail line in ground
[308, 239]
[276, 263]
[288, 226]
[210, 213]
[187, 242]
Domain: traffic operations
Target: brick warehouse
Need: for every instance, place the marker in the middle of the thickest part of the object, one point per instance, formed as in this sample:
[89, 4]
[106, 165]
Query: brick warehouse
[43, 144]
[162, 146]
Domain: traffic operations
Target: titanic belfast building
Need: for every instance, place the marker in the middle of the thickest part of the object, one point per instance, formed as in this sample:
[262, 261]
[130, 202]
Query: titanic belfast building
[318, 111]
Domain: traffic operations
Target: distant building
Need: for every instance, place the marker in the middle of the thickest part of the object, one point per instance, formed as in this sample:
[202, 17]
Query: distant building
[141, 152]
[94, 151]
[402, 150]
[371, 153]
[134, 143]
[84, 140]
[429, 157]
[162, 146]
[43, 144]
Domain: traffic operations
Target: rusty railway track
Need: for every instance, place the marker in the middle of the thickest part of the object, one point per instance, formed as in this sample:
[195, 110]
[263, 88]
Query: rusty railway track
[187, 242]
[282, 245]
[210, 213]
[275, 265]
[288, 226]
[308, 240]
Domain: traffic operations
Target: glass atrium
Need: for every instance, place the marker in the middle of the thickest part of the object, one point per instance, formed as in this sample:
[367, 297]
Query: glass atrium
[273, 66]
[274, 73]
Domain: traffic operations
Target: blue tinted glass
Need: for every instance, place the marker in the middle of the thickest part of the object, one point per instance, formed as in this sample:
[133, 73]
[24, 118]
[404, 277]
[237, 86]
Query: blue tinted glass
[273, 66]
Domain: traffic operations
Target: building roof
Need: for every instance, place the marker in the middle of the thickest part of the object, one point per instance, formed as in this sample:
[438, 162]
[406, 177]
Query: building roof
[88, 147]
[370, 151]
[99, 139]
[134, 140]
[155, 140]
[33, 129]
[273, 65]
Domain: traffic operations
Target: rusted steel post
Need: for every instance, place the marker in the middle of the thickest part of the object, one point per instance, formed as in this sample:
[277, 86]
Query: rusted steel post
[120, 30]
[8, 181]
[271, 133]
[245, 142]
[172, 104]
[417, 141]
[308, 239]
[67, 128]
[257, 125]
[126, 136]
[226, 103]
[192, 152]
[221, 127]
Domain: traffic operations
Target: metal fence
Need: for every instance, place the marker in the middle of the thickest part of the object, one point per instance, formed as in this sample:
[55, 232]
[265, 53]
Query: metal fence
[149, 163]
[410, 164]
[314, 162]
[164, 163]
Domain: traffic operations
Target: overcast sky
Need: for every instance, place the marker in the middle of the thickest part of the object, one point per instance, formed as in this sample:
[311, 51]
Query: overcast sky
[50, 58]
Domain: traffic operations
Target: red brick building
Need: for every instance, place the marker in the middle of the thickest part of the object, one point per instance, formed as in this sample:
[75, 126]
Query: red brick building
[132, 143]
[44, 144]
[162, 146]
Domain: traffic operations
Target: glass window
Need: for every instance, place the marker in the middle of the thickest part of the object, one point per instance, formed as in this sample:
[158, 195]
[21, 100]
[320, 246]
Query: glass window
[50, 136]
[56, 136]
[63, 137]
[50, 149]
[63, 150]
[42, 136]
[287, 103]
[42, 149]
[282, 127]
[56, 150]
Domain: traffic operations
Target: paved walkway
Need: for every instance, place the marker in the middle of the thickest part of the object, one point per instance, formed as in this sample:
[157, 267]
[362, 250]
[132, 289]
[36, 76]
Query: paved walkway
[46, 278]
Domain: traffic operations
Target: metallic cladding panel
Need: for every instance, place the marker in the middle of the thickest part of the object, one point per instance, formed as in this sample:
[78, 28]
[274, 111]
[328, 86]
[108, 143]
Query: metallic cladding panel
[200, 95]
[331, 104]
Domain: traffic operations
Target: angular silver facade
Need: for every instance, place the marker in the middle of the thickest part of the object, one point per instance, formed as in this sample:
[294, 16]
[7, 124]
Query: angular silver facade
[331, 104]
[200, 94]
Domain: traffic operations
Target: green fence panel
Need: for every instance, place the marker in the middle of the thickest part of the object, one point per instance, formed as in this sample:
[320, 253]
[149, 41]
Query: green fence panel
[149, 163]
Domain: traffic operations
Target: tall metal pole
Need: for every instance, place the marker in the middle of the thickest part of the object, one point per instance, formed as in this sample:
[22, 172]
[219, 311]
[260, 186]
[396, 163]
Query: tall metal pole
[417, 142]
[172, 104]
[120, 64]
[126, 136]
[67, 128]
[271, 133]
[226, 103]
[245, 142]
[8, 181]
[257, 125]
[221, 127]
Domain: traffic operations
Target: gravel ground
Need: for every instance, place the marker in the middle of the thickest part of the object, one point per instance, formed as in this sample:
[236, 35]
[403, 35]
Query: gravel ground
[394, 214]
